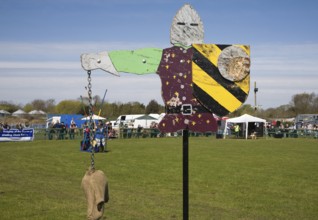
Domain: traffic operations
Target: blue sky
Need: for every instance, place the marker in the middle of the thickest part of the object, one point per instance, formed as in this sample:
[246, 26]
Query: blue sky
[41, 42]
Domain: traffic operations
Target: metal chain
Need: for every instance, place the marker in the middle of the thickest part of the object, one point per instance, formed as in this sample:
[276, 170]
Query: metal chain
[91, 124]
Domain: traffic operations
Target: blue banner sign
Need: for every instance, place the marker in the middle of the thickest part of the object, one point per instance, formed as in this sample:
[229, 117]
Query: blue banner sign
[26, 134]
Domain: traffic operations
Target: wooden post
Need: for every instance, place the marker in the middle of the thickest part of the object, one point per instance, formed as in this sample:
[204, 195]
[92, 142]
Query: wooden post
[185, 174]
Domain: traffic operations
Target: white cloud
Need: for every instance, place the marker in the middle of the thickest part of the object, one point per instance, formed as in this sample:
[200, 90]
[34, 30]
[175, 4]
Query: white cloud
[276, 90]
[283, 65]
[52, 70]
[69, 84]
[290, 59]
[39, 65]
[19, 51]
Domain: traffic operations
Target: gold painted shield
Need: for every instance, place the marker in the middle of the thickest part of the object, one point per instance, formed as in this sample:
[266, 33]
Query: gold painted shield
[221, 76]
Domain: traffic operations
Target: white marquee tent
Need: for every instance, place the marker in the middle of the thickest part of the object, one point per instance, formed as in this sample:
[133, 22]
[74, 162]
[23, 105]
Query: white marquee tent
[4, 113]
[245, 120]
[18, 113]
[94, 117]
[37, 112]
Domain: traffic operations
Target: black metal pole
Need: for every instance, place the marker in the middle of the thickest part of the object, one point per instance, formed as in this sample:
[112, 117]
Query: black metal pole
[185, 174]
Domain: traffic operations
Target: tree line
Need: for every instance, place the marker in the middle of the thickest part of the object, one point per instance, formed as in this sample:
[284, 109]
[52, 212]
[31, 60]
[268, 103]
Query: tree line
[81, 106]
[304, 103]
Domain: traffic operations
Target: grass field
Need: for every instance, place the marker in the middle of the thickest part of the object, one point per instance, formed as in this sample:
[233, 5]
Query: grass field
[229, 179]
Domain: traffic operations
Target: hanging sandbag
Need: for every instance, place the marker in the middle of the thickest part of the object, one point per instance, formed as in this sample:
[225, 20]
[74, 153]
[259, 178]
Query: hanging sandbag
[95, 186]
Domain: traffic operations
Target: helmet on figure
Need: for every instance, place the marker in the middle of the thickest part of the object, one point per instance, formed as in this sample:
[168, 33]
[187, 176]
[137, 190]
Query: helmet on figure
[187, 27]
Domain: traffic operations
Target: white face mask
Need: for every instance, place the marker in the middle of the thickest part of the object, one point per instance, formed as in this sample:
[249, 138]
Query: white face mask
[187, 27]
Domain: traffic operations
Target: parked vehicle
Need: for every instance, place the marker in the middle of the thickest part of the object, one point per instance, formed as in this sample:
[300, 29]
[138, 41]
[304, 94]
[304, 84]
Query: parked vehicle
[135, 121]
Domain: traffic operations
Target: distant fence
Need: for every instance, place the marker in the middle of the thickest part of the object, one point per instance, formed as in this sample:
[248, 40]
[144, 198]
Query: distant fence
[58, 134]
[62, 134]
[293, 133]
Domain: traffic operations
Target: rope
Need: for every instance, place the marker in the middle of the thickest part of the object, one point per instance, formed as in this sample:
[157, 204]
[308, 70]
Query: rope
[91, 123]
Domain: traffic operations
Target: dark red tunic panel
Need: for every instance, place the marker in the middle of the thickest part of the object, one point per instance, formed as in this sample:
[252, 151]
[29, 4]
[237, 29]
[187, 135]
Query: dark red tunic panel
[182, 108]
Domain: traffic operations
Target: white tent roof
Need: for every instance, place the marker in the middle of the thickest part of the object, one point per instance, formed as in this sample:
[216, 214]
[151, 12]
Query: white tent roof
[245, 119]
[19, 112]
[34, 112]
[42, 112]
[95, 117]
[37, 112]
[4, 112]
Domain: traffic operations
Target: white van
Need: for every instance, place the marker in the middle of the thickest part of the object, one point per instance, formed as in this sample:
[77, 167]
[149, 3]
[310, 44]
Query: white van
[133, 121]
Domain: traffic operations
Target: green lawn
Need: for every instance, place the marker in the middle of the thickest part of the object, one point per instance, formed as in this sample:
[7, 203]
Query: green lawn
[229, 179]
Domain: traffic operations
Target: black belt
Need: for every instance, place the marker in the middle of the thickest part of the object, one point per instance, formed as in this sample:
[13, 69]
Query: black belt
[186, 109]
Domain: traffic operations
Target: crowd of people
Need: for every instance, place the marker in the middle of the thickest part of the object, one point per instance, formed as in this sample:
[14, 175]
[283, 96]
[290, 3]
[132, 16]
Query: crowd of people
[58, 129]
[129, 131]
[6, 126]
[100, 132]
[62, 131]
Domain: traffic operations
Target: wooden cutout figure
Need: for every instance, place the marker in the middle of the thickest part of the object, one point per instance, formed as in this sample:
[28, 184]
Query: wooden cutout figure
[95, 186]
[198, 80]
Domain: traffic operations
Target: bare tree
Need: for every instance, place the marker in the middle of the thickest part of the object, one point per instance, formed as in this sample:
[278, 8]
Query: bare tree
[304, 103]
[152, 107]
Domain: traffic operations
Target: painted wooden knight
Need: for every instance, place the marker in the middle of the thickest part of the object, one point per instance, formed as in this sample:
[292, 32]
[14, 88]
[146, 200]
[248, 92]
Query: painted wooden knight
[198, 80]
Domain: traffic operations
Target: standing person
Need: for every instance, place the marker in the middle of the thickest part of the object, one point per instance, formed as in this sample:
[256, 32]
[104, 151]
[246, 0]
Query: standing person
[100, 136]
[62, 131]
[85, 144]
[106, 132]
[139, 128]
[237, 130]
[72, 130]
[228, 129]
